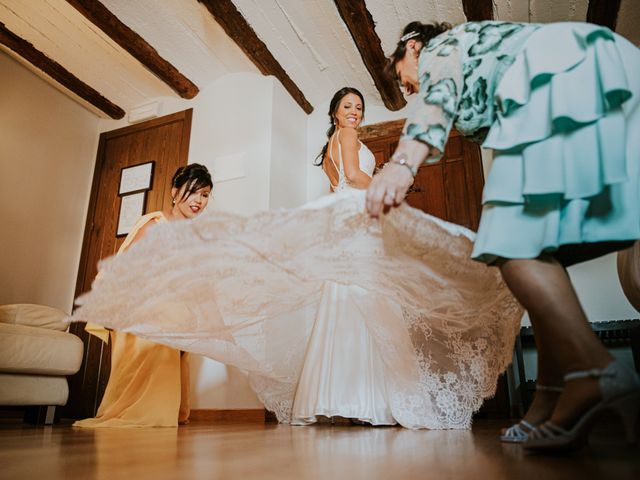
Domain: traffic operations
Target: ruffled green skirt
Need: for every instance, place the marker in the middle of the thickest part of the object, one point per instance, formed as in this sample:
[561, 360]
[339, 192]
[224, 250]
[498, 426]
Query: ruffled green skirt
[566, 145]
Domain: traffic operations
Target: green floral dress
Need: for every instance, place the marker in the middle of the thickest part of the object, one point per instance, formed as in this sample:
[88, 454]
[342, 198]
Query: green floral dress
[458, 73]
[555, 103]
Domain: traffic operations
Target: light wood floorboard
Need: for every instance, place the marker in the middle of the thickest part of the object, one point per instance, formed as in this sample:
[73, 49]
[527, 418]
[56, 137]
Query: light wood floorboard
[272, 451]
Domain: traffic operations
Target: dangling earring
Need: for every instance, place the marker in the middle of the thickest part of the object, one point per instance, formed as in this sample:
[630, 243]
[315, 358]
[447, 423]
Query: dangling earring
[173, 200]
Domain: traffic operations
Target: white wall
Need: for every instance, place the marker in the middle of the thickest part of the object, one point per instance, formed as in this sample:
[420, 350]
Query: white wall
[288, 185]
[48, 146]
[599, 290]
[231, 135]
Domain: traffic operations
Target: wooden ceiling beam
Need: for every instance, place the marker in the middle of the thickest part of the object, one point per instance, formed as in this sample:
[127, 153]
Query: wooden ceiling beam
[604, 12]
[137, 46]
[56, 71]
[235, 25]
[360, 24]
[478, 10]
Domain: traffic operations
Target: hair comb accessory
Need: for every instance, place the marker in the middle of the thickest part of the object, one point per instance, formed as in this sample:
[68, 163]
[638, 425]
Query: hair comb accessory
[409, 35]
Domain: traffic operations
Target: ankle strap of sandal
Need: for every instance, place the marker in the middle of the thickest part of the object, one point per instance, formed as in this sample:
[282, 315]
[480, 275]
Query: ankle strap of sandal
[593, 373]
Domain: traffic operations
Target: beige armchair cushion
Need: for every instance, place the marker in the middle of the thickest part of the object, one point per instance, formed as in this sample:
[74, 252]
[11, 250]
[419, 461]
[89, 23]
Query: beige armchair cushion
[32, 390]
[38, 351]
[34, 316]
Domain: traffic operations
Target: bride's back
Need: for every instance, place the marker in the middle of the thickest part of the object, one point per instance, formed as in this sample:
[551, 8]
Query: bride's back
[333, 165]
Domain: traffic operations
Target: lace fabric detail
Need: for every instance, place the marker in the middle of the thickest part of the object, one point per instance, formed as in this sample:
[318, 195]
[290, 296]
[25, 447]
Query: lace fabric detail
[245, 291]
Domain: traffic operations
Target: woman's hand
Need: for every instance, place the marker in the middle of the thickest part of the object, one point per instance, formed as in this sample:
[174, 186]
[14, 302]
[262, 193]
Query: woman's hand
[388, 188]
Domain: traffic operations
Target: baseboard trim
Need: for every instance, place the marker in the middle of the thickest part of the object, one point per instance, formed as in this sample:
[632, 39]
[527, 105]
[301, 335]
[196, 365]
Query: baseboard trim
[240, 415]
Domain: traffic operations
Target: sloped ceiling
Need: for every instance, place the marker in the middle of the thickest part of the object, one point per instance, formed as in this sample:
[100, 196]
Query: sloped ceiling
[307, 37]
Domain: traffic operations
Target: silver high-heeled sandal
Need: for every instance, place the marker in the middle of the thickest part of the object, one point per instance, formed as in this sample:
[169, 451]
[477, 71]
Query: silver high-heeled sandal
[620, 391]
[518, 432]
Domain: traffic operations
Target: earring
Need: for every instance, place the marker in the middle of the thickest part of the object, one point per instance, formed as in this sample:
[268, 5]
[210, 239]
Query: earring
[173, 200]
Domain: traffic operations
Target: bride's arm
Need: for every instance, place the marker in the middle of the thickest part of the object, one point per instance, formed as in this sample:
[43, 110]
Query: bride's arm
[350, 146]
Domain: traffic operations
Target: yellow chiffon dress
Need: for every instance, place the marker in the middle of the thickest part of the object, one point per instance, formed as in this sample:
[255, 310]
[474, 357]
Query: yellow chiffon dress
[149, 383]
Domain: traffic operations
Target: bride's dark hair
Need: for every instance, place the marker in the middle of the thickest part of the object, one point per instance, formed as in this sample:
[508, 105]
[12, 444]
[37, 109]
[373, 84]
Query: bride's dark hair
[333, 107]
[423, 32]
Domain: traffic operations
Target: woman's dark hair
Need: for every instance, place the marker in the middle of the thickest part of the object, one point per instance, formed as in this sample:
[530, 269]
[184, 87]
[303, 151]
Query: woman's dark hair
[417, 31]
[194, 176]
[333, 108]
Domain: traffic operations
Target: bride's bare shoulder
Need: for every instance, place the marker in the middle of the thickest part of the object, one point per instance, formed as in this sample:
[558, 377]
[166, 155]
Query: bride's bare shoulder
[348, 136]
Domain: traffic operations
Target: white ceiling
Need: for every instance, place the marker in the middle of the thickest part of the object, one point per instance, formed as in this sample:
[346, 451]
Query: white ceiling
[307, 37]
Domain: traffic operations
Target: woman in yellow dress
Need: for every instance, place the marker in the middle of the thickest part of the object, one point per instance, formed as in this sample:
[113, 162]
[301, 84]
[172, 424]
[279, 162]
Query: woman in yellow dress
[149, 383]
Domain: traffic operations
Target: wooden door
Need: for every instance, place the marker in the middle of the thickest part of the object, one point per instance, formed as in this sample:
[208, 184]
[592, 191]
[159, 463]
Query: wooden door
[450, 189]
[164, 141]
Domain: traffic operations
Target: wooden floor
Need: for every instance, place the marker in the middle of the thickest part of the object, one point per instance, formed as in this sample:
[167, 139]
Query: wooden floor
[271, 451]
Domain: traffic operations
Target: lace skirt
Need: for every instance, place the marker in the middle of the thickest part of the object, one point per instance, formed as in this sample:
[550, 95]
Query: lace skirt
[566, 166]
[247, 291]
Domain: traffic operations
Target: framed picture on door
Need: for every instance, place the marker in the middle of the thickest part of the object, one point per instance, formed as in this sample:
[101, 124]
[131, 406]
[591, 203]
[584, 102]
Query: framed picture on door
[132, 207]
[135, 182]
[136, 178]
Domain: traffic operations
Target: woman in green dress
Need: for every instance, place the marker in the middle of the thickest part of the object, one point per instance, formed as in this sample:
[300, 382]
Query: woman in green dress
[558, 104]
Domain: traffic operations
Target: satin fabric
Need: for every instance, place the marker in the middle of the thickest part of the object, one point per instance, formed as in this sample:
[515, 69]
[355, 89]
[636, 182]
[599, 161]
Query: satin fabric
[343, 373]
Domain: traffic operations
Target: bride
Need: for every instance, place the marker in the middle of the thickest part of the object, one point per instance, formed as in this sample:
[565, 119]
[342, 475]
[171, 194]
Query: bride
[342, 373]
[329, 312]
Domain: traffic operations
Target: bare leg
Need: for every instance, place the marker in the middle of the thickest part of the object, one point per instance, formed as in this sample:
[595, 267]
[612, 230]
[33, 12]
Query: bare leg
[566, 343]
[549, 375]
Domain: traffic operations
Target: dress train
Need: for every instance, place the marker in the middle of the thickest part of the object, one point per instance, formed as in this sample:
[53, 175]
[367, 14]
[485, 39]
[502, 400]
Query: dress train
[249, 291]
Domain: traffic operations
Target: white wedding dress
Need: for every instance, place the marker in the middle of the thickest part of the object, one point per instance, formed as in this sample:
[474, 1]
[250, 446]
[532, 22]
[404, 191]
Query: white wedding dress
[342, 372]
[329, 311]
